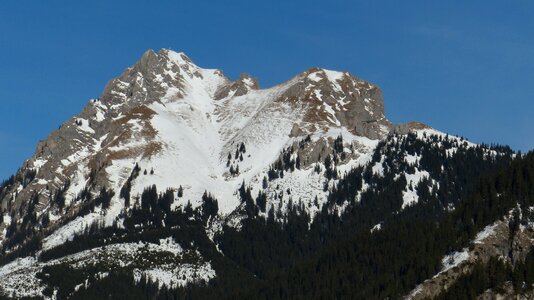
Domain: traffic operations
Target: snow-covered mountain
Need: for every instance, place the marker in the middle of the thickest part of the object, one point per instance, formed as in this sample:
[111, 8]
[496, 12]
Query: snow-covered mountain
[185, 124]
[168, 123]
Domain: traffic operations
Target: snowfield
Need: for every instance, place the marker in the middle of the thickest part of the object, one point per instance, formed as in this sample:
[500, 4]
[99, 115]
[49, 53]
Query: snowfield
[163, 263]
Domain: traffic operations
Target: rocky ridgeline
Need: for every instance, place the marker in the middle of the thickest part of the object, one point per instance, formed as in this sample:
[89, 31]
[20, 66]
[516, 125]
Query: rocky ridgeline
[76, 155]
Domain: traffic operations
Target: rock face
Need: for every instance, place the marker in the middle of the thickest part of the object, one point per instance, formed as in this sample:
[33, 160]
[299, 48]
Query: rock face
[184, 122]
[405, 128]
[493, 241]
[339, 99]
[240, 87]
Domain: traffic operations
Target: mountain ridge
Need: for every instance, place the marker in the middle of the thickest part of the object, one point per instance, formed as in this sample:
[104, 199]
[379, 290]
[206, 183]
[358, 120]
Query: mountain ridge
[90, 128]
[185, 160]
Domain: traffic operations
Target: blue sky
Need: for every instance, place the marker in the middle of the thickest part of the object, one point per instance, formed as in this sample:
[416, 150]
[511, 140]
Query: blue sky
[463, 68]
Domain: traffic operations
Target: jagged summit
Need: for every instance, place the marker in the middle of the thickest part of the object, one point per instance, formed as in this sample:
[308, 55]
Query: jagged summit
[183, 121]
[325, 98]
[175, 168]
[155, 76]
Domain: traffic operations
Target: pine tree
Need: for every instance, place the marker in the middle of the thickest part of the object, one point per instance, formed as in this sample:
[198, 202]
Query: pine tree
[166, 200]
[261, 201]
[180, 192]
[210, 206]
[104, 198]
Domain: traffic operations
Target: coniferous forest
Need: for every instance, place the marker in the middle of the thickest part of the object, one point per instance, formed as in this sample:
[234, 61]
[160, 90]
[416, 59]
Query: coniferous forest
[332, 255]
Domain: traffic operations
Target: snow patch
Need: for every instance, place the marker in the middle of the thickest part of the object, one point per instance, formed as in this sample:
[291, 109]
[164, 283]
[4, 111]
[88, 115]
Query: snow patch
[452, 260]
[485, 233]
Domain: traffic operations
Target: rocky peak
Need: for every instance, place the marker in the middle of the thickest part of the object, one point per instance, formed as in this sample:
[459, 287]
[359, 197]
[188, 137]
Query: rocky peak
[249, 81]
[339, 99]
[166, 106]
[240, 87]
[156, 76]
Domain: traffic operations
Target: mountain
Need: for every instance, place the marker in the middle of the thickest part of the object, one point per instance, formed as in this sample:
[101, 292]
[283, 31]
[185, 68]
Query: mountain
[178, 182]
[165, 108]
[185, 123]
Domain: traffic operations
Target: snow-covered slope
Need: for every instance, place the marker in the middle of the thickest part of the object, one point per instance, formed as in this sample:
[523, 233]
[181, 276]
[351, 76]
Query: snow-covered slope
[192, 130]
[183, 124]
[165, 262]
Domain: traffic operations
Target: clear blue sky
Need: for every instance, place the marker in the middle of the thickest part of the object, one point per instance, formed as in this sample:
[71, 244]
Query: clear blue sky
[463, 68]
